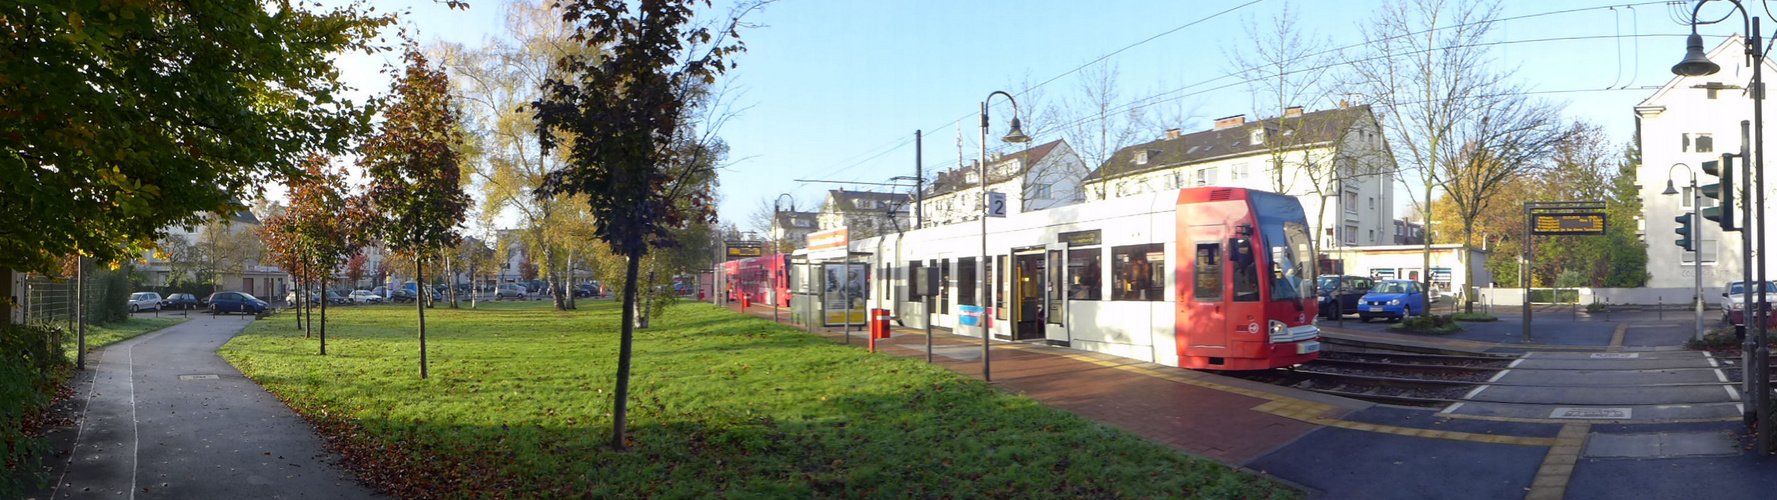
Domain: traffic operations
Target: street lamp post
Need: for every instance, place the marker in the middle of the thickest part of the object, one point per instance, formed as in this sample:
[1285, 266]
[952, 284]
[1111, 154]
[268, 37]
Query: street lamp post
[1696, 63]
[1015, 136]
[776, 243]
[1696, 237]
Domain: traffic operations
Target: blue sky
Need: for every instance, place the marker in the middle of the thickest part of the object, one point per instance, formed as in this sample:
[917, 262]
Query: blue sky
[834, 90]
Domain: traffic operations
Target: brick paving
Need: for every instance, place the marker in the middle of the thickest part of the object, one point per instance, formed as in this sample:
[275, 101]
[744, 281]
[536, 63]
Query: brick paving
[1219, 425]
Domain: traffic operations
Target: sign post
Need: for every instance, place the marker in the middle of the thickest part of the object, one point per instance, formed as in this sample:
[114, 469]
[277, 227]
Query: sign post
[1570, 218]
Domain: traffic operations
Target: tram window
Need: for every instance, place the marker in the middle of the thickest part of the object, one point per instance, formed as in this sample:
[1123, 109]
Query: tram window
[1000, 281]
[966, 281]
[1055, 312]
[1140, 272]
[1208, 273]
[1246, 270]
[913, 276]
[1083, 269]
[944, 285]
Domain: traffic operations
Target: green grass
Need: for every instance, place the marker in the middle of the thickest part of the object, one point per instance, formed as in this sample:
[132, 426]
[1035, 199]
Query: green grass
[722, 405]
[103, 335]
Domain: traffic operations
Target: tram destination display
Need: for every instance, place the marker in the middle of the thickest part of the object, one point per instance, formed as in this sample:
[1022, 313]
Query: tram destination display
[1579, 223]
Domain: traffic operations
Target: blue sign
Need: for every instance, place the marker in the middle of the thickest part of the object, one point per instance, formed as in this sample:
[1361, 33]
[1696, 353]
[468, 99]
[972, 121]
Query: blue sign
[971, 315]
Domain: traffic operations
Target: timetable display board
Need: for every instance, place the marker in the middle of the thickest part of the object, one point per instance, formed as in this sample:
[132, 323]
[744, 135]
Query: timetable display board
[1578, 223]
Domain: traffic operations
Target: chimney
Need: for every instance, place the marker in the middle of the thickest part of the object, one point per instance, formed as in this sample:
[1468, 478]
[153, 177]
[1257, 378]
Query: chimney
[1344, 104]
[1230, 122]
[1172, 133]
[1293, 111]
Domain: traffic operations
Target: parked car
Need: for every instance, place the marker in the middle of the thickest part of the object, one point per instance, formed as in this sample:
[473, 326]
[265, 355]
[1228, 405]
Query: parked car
[365, 297]
[1393, 299]
[381, 291]
[401, 295]
[585, 290]
[143, 301]
[510, 291]
[1341, 294]
[180, 301]
[336, 299]
[227, 302]
[1733, 306]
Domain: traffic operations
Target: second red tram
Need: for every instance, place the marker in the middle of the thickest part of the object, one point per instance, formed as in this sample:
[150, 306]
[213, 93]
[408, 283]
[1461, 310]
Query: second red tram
[761, 279]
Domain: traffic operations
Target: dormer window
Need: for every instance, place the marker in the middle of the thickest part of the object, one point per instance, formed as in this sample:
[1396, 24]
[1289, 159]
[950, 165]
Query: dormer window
[1257, 136]
[1141, 157]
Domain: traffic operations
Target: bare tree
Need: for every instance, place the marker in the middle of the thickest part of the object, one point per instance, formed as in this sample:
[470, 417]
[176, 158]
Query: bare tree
[1511, 140]
[1425, 72]
[1096, 123]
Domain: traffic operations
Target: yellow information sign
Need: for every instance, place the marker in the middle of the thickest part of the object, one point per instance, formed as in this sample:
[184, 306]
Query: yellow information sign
[1582, 223]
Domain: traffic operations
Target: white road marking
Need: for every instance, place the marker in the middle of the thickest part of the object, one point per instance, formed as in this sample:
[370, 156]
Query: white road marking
[1732, 394]
[1714, 364]
[1515, 363]
[1497, 376]
[1452, 408]
[1471, 394]
[1720, 375]
[135, 424]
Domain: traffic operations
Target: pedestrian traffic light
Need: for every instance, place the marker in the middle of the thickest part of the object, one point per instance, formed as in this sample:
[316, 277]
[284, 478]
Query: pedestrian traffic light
[1723, 212]
[1685, 233]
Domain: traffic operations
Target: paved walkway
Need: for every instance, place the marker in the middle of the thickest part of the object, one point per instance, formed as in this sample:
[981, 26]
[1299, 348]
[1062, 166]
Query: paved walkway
[165, 417]
[1339, 448]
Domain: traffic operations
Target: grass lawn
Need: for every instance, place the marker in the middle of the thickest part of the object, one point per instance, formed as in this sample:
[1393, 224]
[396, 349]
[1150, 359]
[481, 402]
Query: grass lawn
[519, 404]
[102, 335]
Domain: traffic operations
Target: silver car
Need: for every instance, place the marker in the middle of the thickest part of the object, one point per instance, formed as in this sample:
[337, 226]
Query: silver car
[143, 301]
[510, 291]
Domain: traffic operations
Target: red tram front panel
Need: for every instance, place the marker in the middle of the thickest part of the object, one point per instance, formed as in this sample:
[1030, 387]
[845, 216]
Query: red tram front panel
[1224, 304]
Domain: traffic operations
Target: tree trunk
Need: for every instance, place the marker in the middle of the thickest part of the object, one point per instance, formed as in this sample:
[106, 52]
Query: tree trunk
[624, 353]
[419, 271]
[1426, 268]
[1468, 268]
[648, 310]
[324, 302]
[10, 298]
[555, 279]
[296, 290]
[308, 304]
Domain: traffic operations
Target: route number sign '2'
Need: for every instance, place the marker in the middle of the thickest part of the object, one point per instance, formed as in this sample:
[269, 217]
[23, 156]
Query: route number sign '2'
[1572, 223]
[996, 204]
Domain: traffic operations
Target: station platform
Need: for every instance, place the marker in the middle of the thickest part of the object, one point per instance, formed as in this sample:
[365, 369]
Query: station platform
[1341, 448]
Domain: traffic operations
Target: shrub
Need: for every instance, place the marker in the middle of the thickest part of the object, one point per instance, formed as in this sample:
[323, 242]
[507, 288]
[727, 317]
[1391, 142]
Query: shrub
[1479, 317]
[1719, 338]
[1429, 323]
[32, 366]
[1597, 307]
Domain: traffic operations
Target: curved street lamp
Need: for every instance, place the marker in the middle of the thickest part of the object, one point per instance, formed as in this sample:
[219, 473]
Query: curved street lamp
[1016, 136]
[1696, 235]
[1696, 63]
[777, 248]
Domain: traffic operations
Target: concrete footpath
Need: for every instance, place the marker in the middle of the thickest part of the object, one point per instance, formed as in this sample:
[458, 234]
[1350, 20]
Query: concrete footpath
[162, 416]
[1339, 448]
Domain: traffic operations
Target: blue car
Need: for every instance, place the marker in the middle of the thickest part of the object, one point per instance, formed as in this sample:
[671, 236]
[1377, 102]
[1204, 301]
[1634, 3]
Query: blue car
[1393, 299]
[227, 302]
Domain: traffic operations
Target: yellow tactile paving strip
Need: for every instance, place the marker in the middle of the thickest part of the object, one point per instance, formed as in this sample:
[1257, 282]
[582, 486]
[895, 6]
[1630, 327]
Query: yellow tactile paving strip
[1616, 338]
[1296, 409]
[1557, 469]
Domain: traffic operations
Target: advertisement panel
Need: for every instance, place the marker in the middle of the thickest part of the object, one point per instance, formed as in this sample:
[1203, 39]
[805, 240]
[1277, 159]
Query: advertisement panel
[843, 286]
[829, 244]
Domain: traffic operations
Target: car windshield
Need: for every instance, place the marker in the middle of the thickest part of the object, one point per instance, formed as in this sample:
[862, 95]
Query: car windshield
[1739, 287]
[1329, 283]
[246, 296]
[1390, 287]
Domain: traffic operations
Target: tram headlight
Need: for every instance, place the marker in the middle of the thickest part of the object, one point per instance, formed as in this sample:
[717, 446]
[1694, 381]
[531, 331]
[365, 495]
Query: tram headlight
[1738, 306]
[1278, 329]
[1394, 302]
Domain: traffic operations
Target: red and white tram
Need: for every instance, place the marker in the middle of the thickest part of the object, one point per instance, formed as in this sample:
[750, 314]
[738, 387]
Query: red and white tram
[1204, 278]
[761, 279]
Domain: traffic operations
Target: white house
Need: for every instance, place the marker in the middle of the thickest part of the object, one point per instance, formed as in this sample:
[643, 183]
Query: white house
[1334, 153]
[239, 258]
[865, 213]
[1407, 262]
[1044, 176]
[1686, 122]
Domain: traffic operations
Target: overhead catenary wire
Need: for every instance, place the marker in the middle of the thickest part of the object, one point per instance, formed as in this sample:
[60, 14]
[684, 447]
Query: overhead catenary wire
[1185, 91]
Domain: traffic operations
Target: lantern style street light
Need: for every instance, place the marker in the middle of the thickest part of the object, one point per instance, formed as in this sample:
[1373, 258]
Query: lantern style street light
[1696, 63]
[1016, 136]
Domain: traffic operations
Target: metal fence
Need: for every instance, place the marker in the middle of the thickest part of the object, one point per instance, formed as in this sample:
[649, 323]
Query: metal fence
[51, 302]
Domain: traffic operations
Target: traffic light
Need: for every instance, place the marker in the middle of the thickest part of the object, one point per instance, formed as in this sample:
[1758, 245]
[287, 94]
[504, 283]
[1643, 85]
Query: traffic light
[1685, 233]
[1722, 212]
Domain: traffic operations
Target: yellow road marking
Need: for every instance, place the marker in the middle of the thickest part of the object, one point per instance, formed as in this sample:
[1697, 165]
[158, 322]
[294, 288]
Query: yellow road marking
[1557, 469]
[1616, 339]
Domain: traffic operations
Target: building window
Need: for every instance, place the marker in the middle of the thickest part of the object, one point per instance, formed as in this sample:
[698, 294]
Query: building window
[1140, 272]
[1372, 203]
[1351, 234]
[1707, 245]
[1372, 236]
[1206, 176]
[1705, 143]
[1685, 198]
[1084, 268]
[1351, 202]
[1040, 191]
[1257, 137]
[1241, 172]
[1141, 157]
[1714, 88]
[1684, 145]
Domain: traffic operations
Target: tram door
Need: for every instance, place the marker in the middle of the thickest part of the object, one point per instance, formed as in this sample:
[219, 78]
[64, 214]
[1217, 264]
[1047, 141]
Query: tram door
[1203, 314]
[1028, 286]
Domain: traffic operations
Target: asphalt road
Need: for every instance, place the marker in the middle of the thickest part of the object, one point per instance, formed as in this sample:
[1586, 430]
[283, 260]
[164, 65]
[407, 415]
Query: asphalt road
[162, 416]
